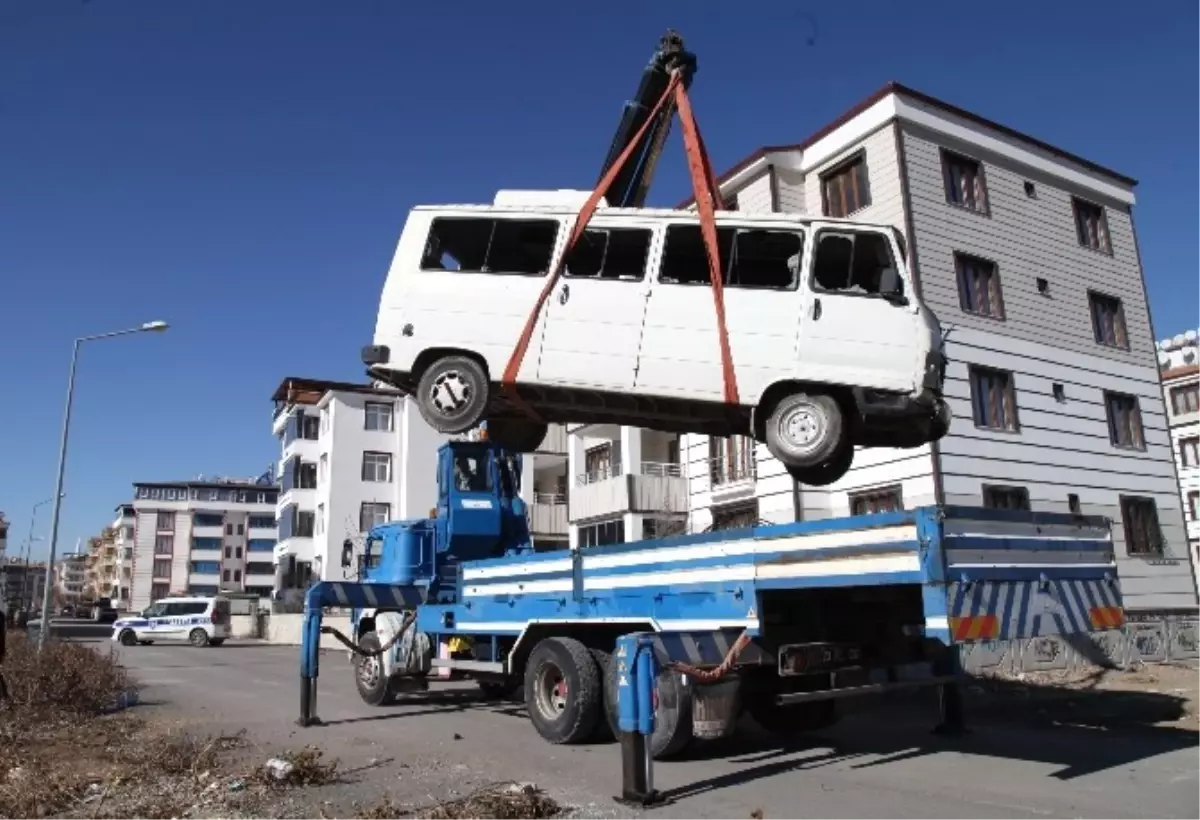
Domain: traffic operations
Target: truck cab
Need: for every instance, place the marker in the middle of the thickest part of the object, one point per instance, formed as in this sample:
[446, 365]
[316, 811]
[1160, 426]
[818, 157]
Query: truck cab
[479, 514]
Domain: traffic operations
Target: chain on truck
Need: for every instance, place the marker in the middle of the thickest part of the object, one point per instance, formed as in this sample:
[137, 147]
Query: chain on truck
[779, 621]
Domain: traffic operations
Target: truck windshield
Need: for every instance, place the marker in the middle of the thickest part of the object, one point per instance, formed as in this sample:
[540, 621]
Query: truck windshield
[471, 474]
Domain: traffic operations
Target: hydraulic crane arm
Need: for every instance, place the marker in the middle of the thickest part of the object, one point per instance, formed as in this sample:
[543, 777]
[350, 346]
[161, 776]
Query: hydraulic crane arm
[629, 188]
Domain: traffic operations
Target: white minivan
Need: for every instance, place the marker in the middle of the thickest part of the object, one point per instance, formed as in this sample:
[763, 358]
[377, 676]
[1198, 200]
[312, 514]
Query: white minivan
[830, 344]
[202, 620]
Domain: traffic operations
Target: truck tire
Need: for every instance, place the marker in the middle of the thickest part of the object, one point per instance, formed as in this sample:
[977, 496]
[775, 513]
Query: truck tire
[827, 473]
[794, 719]
[373, 686]
[452, 394]
[603, 730]
[806, 430]
[516, 435]
[562, 690]
[672, 712]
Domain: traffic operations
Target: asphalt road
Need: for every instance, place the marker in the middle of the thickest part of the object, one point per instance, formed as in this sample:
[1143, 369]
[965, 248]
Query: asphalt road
[876, 763]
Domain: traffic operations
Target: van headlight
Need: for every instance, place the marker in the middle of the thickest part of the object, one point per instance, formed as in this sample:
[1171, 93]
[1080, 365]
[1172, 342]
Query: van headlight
[935, 370]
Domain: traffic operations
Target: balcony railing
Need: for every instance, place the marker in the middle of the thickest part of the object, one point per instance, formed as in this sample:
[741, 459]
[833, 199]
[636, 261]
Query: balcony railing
[599, 474]
[726, 471]
[661, 469]
[654, 487]
[549, 514]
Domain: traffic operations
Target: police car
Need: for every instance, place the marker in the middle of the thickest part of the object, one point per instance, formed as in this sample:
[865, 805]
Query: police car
[201, 621]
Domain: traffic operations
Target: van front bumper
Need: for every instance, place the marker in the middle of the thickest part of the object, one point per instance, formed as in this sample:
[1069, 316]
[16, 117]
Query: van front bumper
[900, 419]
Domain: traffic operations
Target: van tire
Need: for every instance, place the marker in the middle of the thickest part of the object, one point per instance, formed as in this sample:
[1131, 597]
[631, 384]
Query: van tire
[452, 394]
[517, 435]
[827, 473]
[198, 637]
[128, 638]
[565, 663]
[806, 429]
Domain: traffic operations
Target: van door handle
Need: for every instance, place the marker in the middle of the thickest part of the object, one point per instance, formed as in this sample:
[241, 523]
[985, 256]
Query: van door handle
[816, 309]
[564, 294]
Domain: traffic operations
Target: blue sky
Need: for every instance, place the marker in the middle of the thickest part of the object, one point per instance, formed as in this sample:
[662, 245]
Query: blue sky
[243, 169]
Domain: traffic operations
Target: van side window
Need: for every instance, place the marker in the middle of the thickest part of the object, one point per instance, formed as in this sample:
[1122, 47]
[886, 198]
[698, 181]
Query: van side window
[750, 257]
[851, 263]
[486, 245]
[187, 608]
[610, 253]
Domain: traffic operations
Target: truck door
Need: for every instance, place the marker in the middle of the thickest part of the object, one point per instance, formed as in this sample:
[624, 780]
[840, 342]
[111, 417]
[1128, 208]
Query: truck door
[851, 332]
[594, 315]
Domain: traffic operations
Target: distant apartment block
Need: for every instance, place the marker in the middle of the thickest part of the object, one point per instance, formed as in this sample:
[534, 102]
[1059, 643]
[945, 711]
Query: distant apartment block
[70, 578]
[24, 584]
[1179, 360]
[1028, 256]
[202, 536]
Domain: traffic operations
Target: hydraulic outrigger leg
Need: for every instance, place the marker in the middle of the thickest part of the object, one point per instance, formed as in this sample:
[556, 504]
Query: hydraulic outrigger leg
[310, 658]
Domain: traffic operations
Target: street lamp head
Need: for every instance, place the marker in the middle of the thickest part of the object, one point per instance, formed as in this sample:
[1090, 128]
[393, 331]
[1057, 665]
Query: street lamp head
[157, 326]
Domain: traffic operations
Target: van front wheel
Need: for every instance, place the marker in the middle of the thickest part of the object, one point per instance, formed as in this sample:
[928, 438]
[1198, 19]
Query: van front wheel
[806, 430]
[453, 394]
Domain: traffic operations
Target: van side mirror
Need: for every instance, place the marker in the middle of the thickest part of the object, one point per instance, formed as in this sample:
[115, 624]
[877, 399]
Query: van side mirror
[347, 553]
[891, 287]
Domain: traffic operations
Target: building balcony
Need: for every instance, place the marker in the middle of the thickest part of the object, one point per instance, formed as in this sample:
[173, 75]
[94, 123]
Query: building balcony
[555, 442]
[208, 531]
[204, 555]
[204, 578]
[731, 481]
[258, 579]
[549, 514]
[654, 487]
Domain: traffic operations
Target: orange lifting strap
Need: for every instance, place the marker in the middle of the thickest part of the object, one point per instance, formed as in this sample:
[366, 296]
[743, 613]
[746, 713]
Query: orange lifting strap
[708, 200]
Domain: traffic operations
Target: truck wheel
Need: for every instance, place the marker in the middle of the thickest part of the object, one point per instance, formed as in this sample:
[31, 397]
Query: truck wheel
[372, 684]
[516, 435]
[805, 429]
[453, 394]
[794, 719]
[827, 473]
[562, 690]
[128, 638]
[672, 712]
[603, 730]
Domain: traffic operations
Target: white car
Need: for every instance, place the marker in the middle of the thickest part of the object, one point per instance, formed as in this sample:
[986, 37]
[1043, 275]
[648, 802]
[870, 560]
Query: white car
[201, 621]
[827, 344]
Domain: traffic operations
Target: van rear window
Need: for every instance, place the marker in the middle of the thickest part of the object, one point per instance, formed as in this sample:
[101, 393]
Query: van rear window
[490, 245]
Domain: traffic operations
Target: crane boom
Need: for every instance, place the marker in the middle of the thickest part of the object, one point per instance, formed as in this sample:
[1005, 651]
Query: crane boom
[630, 187]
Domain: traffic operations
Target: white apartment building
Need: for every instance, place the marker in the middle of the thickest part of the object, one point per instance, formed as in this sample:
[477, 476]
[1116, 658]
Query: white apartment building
[1029, 258]
[354, 456]
[70, 577]
[119, 586]
[1179, 360]
[201, 537]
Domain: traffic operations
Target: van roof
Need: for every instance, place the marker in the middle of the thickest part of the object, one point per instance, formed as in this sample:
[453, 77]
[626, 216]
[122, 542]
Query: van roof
[554, 210]
[178, 598]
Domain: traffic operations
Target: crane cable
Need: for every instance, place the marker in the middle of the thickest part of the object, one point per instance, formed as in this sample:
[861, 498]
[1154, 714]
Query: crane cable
[708, 200]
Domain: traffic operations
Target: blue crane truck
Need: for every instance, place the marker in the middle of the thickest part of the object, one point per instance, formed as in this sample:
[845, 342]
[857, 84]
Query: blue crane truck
[779, 621]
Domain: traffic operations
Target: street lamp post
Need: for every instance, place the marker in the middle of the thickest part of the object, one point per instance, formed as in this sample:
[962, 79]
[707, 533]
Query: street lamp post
[153, 327]
[28, 547]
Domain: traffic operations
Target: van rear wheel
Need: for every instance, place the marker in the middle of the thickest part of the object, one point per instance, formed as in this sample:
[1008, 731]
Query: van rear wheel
[198, 637]
[452, 394]
[806, 430]
[827, 473]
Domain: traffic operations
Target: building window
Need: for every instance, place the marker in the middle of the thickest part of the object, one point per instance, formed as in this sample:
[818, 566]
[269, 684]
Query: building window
[1140, 519]
[377, 467]
[604, 532]
[1006, 498]
[201, 519]
[730, 459]
[225, 576]
[165, 522]
[735, 516]
[260, 545]
[323, 468]
[1073, 504]
[1194, 503]
[1124, 421]
[304, 524]
[320, 519]
[229, 529]
[310, 427]
[237, 552]
[206, 567]
[1189, 451]
[237, 576]
[1091, 226]
[241, 529]
[1108, 320]
[598, 463]
[979, 286]
[844, 189]
[306, 476]
[964, 181]
[372, 514]
[158, 591]
[164, 544]
[994, 399]
[162, 569]
[1185, 399]
[887, 499]
[378, 416]
[229, 552]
